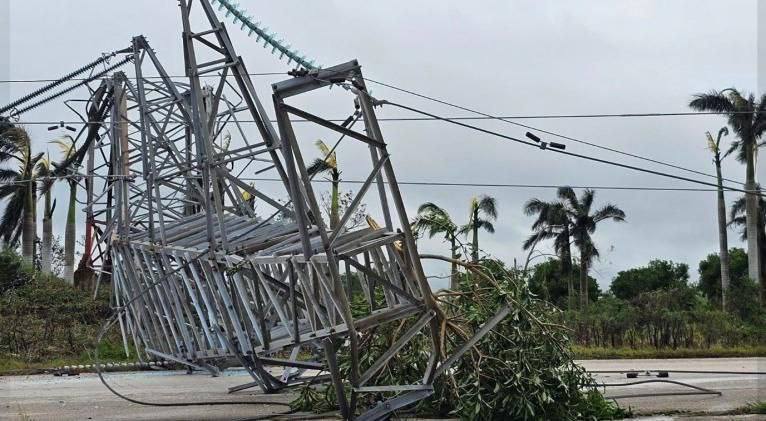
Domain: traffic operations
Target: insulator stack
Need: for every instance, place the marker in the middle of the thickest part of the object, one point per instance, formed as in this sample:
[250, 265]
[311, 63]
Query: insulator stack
[269, 38]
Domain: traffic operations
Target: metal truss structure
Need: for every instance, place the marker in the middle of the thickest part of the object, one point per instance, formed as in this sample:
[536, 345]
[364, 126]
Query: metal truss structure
[209, 268]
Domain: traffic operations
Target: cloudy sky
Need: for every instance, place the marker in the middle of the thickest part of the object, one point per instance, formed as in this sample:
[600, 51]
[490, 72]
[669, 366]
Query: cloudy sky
[500, 57]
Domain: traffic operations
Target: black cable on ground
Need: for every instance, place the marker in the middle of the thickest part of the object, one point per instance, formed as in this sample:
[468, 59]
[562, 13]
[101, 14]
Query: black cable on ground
[113, 319]
[293, 416]
[751, 373]
[700, 390]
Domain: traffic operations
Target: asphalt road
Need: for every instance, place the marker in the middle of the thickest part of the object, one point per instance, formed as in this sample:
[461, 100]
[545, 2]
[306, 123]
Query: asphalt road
[736, 390]
[45, 397]
[83, 397]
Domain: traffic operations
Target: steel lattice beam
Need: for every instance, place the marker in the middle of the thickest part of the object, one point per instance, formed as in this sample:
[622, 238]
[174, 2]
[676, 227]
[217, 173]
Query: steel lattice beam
[230, 271]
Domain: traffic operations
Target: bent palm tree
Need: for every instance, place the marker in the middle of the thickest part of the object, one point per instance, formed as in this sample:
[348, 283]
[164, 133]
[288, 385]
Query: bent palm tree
[483, 211]
[747, 118]
[67, 147]
[583, 225]
[433, 220]
[553, 223]
[328, 164]
[43, 174]
[723, 242]
[18, 218]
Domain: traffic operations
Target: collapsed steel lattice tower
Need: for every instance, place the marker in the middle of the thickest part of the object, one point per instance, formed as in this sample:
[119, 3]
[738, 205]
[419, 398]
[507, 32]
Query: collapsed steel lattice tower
[214, 268]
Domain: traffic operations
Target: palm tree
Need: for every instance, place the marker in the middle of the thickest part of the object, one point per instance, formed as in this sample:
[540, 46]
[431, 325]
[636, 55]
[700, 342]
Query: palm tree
[433, 220]
[68, 166]
[583, 225]
[723, 242]
[747, 118]
[43, 174]
[738, 218]
[483, 210]
[18, 219]
[553, 223]
[328, 164]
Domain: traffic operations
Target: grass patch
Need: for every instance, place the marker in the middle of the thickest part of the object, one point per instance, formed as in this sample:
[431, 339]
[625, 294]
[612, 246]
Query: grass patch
[751, 408]
[756, 408]
[109, 351]
[587, 353]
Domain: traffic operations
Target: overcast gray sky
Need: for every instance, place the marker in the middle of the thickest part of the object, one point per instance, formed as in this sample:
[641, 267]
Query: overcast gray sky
[501, 57]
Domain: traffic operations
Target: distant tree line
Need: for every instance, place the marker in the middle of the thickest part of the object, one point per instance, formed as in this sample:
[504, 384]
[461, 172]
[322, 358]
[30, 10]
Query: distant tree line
[657, 306]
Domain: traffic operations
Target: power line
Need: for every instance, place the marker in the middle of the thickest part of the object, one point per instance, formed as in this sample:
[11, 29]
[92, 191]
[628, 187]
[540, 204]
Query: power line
[135, 78]
[419, 183]
[564, 152]
[489, 117]
[547, 131]
[482, 117]
[507, 185]
[458, 118]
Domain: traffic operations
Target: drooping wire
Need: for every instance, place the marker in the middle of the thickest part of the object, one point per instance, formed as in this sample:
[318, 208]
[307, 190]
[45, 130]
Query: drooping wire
[564, 152]
[548, 132]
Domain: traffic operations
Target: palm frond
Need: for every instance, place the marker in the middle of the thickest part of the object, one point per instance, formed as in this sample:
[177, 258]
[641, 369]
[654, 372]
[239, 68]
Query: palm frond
[713, 101]
[433, 220]
[318, 166]
[562, 242]
[588, 251]
[538, 236]
[711, 145]
[7, 174]
[32, 164]
[568, 195]
[759, 119]
[486, 225]
[609, 211]
[433, 209]
[71, 156]
[737, 208]
[11, 219]
[534, 206]
[465, 229]
[736, 145]
[586, 201]
[488, 205]
[433, 225]
[328, 157]
[65, 145]
[723, 131]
